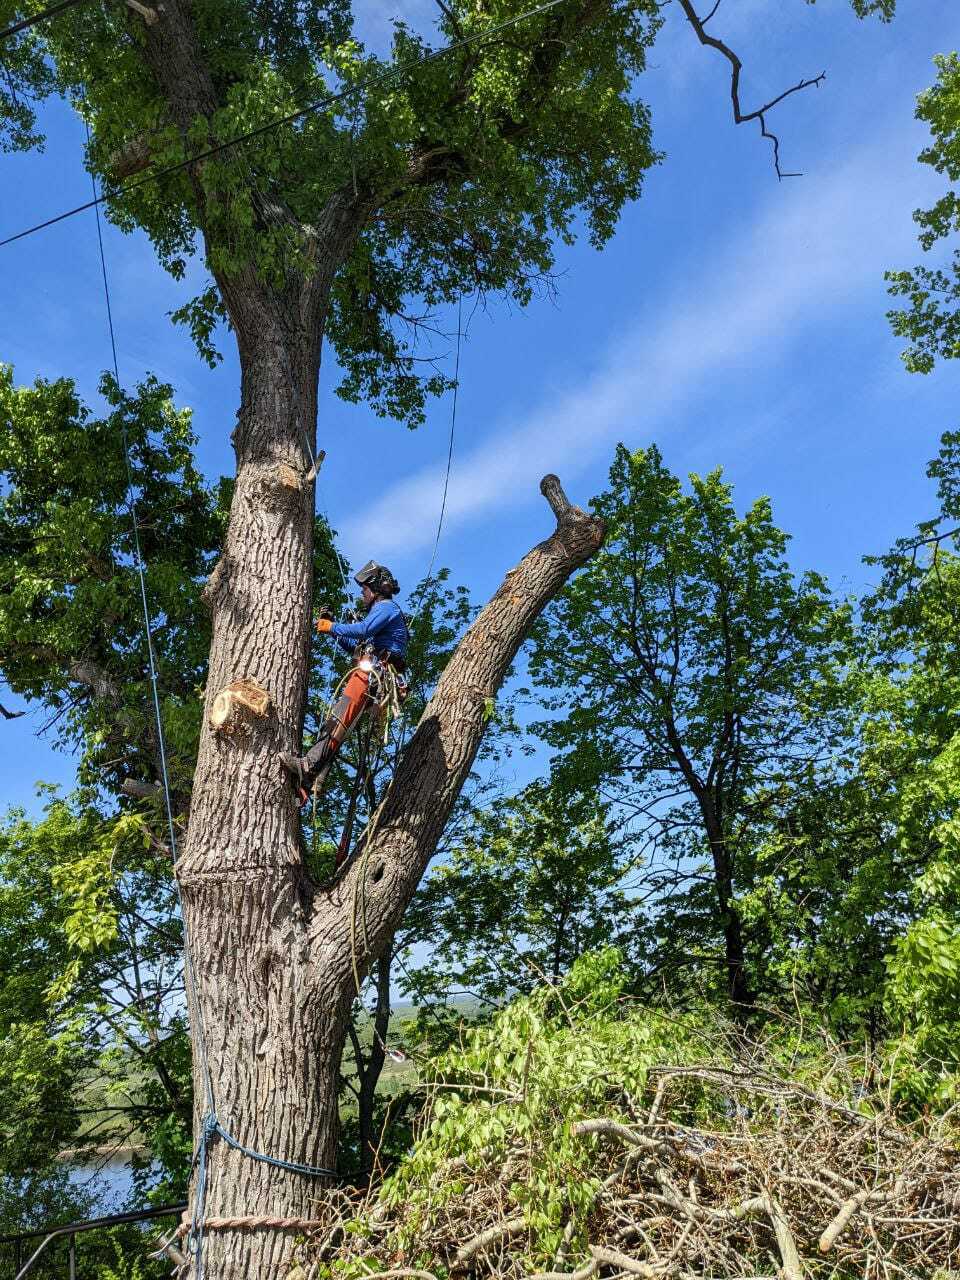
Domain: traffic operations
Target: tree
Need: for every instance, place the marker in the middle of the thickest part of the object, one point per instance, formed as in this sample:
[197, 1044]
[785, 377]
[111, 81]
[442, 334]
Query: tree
[931, 321]
[696, 677]
[532, 883]
[448, 176]
[911, 624]
[71, 628]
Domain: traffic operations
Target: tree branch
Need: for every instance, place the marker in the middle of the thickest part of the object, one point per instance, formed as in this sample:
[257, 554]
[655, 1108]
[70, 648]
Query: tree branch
[140, 790]
[393, 854]
[101, 684]
[740, 116]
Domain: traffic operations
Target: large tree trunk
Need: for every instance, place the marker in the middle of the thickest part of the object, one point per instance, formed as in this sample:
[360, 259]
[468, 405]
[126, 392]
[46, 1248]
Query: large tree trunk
[272, 1046]
[276, 959]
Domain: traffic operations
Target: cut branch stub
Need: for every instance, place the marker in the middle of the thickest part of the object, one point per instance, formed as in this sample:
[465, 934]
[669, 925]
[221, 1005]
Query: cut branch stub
[237, 707]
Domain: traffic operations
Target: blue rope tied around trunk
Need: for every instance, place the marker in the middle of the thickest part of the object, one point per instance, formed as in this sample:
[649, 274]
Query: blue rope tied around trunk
[209, 1132]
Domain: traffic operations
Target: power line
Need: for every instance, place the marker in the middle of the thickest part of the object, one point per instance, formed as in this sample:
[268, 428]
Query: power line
[292, 118]
[453, 426]
[42, 16]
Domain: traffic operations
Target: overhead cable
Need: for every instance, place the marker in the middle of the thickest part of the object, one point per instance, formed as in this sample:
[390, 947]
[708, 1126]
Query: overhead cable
[25, 23]
[321, 104]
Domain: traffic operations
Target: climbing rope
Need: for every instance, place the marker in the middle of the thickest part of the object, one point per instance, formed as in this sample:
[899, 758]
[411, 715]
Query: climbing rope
[446, 478]
[211, 1128]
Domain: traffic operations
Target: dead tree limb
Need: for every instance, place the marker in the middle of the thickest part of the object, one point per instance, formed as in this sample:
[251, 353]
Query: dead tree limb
[739, 115]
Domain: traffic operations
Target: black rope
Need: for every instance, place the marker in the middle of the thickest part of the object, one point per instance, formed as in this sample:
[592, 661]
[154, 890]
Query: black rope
[453, 427]
[291, 118]
[25, 23]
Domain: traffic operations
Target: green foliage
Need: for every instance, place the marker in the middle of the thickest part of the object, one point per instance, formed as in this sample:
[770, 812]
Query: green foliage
[557, 1055]
[41, 1052]
[911, 741]
[699, 680]
[89, 957]
[474, 163]
[931, 321]
[531, 883]
[71, 627]
[498, 1138]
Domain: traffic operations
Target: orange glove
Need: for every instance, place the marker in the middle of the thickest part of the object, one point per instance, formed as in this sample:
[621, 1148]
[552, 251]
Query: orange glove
[323, 625]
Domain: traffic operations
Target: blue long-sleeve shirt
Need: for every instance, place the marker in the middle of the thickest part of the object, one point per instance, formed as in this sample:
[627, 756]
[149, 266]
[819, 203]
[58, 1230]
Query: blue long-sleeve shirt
[384, 627]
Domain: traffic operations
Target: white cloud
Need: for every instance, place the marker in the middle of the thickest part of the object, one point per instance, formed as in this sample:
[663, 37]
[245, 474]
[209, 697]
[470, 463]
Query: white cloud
[813, 253]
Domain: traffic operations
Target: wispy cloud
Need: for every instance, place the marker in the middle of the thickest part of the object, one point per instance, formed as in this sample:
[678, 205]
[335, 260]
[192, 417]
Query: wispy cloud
[809, 257]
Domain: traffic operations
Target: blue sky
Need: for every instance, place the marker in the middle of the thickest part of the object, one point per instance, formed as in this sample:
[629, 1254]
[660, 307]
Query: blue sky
[734, 320]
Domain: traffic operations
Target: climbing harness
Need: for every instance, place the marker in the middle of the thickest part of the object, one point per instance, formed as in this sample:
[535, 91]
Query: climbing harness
[211, 1128]
[372, 690]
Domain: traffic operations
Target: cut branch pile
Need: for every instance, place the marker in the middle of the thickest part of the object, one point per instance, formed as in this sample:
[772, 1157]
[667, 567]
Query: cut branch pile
[789, 1183]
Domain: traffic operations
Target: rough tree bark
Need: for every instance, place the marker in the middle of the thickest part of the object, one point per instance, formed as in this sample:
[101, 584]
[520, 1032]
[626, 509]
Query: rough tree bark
[277, 958]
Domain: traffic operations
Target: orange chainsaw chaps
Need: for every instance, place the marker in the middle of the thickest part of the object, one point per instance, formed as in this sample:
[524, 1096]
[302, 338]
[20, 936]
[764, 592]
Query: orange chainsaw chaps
[349, 706]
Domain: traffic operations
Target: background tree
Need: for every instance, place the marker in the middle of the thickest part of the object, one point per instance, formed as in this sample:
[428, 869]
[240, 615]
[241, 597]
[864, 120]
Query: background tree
[931, 320]
[696, 681]
[911, 622]
[71, 626]
[532, 883]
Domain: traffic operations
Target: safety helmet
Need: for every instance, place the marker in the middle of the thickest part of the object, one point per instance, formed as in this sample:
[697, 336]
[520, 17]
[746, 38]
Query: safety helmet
[378, 578]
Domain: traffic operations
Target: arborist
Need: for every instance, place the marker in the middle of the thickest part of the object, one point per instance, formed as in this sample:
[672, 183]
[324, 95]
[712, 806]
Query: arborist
[378, 640]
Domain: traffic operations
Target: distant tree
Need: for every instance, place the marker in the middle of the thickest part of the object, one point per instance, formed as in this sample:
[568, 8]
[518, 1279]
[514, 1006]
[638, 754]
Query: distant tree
[931, 319]
[695, 679]
[530, 884]
[913, 625]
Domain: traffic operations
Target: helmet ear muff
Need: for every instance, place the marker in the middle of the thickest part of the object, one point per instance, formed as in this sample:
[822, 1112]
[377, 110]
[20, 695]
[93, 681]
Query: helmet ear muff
[378, 578]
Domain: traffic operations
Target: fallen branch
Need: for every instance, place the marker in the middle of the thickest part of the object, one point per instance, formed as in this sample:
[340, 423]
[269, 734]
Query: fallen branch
[754, 1183]
[620, 1262]
[835, 1229]
[499, 1231]
[400, 1273]
[583, 1273]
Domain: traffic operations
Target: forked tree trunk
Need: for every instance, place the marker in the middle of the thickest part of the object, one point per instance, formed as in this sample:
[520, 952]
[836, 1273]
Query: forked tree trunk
[277, 959]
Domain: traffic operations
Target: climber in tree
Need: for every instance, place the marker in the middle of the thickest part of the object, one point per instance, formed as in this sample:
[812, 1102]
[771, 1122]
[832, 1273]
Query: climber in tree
[381, 637]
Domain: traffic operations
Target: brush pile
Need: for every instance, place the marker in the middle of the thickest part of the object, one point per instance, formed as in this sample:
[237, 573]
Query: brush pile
[580, 1136]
